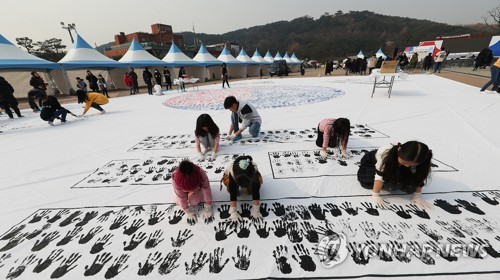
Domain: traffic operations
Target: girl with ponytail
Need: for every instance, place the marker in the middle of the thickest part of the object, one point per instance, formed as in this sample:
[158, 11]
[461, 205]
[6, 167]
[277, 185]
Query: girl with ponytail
[404, 167]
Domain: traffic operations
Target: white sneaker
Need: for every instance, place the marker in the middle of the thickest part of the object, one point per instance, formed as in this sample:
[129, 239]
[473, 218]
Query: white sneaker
[51, 123]
[102, 112]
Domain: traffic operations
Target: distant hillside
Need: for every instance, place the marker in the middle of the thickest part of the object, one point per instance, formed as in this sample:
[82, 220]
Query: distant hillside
[335, 35]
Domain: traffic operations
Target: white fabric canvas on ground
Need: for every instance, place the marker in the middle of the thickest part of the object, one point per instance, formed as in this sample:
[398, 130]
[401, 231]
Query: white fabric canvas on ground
[42, 163]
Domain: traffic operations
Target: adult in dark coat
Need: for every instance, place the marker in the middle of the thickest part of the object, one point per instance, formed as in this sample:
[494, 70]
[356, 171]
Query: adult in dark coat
[7, 99]
[379, 62]
[38, 84]
[133, 75]
[157, 76]
[92, 79]
[52, 109]
[147, 76]
[427, 62]
[168, 78]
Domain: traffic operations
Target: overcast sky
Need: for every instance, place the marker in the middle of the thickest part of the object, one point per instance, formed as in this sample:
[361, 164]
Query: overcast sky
[97, 21]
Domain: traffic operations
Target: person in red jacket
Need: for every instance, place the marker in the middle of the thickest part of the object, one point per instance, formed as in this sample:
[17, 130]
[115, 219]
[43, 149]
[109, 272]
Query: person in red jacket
[129, 82]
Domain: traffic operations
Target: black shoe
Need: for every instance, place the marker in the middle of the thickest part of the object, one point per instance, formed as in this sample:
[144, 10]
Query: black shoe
[20, 116]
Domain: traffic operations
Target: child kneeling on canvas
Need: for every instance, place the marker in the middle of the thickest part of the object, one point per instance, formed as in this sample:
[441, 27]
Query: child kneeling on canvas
[191, 187]
[403, 167]
[331, 133]
[243, 172]
[206, 135]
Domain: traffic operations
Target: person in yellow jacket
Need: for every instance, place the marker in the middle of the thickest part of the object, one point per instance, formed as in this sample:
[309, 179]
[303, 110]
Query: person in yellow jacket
[91, 99]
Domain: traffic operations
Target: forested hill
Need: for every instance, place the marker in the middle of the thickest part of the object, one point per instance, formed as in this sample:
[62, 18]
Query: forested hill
[334, 35]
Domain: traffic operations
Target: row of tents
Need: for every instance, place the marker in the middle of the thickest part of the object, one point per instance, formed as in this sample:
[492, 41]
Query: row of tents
[16, 65]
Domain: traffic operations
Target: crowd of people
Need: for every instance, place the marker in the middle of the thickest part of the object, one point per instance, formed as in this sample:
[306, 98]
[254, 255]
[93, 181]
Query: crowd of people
[402, 167]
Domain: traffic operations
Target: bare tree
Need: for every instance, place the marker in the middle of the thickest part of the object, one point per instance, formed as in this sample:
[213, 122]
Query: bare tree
[494, 16]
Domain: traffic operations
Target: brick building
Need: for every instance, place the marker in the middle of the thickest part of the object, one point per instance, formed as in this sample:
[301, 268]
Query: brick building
[157, 43]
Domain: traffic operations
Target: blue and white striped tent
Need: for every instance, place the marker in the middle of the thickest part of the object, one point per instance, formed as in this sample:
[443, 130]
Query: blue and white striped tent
[268, 57]
[137, 56]
[83, 56]
[12, 57]
[253, 68]
[235, 68]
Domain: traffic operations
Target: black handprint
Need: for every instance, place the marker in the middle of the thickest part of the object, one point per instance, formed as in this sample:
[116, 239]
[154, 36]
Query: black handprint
[13, 232]
[317, 212]
[261, 228]
[417, 211]
[87, 237]
[486, 198]
[182, 237]
[88, 216]
[70, 219]
[196, 263]
[392, 230]
[53, 256]
[66, 266]
[37, 232]
[245, 210]
[242, 259]
[302, 212]
[369, 230]
[69, 236]
[104, 217]
[177, 217]
[155, 218]
[310, 232]
[134, 241]
[327, 230]
[224, 211]
[334, 209]
[279, 228]
[446, 206]
[451, 229]
[58, 215]
[370, 209]
[485, 244]
[116, 267]
[438, 249]
[149, 264]
[217, 264]
[401, 253]
[96, 266]
[154, 239]
[168, 263]
[281, 260]
[15, 272]
[137, 210]
[470, 206]
[293, 232]
[223, 230]
[422, 255]
[118, 222]
[101, 243]
[40, 244]
[38, 216]
[264, 211]
[358, 254]
[429, 232]
[383, 255]
[242, 229]
[306, 262]
[278, 209]
[136, 224]
[398, 209]
[3, 257]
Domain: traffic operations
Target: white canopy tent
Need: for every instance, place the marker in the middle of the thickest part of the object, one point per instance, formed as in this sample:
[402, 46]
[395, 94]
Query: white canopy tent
[235, 68]
[176, 58]
[294, 67]
[278, 56]
[16, 66]
[379, 53]
[82, 57]
[209, 63]
[268, 57]
[360, 54]
[264, 64]
[253, 68]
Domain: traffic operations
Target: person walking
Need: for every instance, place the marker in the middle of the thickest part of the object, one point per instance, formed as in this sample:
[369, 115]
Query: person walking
[157, 76]
[182, 75]
[439, 59]
[372, 63]
[224, 75]
[147, 76]
[427, 62]
[7, 99]
[413, 62]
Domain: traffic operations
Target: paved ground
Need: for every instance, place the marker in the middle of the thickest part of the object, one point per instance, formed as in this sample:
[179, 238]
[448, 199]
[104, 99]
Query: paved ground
[466, 76]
